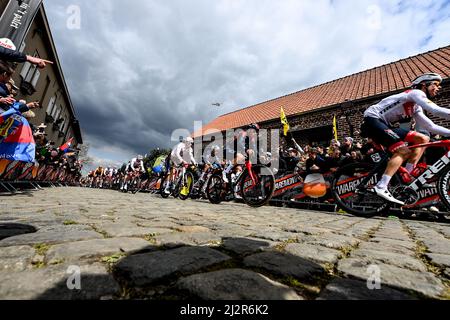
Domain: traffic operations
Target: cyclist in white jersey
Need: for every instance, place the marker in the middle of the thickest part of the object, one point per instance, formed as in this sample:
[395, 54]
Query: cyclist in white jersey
[134, 166]
[379, 122]
[182, 154]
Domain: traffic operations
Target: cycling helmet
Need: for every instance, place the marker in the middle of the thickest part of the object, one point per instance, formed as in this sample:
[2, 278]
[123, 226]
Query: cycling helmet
[140, 157]
[427, 77]
[189, 140]
[254, 126]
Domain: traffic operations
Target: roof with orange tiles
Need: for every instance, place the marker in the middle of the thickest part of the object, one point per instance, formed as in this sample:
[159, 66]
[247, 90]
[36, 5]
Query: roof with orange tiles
[380, 80]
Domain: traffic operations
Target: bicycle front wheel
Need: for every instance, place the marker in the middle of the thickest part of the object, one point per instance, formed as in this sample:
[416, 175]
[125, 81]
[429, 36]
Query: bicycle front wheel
[353, 199]
[256, 191]
[186, 186]
[165, 185]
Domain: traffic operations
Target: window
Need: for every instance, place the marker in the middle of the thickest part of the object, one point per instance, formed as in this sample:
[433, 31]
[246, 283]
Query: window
[56, 112]
[30, 72]
[66, 126]
[51, 104]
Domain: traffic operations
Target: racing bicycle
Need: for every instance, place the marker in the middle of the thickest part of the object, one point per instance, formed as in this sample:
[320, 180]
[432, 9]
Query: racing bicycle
[351, 184]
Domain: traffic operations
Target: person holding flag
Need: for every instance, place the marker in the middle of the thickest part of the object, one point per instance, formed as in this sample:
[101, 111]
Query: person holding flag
[287, 134]
[16, 137]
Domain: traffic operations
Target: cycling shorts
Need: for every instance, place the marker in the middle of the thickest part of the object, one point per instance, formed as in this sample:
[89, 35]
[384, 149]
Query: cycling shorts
[381, 133]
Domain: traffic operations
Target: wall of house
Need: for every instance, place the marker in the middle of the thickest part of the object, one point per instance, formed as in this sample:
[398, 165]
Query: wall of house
[48, 86]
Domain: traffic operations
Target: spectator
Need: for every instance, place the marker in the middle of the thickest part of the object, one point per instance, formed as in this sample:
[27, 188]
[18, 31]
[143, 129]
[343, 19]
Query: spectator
[335, 161]
[347, 147]
[355, 157]
[292, 159]
[315, 164]
[17, 56]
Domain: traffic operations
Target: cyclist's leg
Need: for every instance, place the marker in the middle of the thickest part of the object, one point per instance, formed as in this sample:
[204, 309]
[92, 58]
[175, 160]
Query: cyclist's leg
[231, 160]
[394, 140]
[414, 138]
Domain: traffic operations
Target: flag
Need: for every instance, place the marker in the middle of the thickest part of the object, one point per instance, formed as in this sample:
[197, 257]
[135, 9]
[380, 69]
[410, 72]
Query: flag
[66, 146]
[335, 129]
[16, 137]
[284, 122]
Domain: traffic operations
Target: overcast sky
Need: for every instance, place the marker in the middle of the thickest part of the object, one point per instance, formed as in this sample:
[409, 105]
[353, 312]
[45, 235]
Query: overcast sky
[137, 70]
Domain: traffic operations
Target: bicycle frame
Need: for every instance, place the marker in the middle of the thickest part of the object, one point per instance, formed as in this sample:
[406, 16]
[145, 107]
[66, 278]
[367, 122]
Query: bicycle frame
[420, 181]
[437, 167]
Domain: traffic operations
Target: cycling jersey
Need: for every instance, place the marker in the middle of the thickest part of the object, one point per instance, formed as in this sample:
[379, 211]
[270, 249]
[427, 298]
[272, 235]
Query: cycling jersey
[181, 153]
[407, 105]
[211, 159]
[135, 164]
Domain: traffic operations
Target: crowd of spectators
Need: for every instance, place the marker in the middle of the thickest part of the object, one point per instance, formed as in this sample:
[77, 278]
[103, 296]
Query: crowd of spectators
[20, 140]
[310, 159]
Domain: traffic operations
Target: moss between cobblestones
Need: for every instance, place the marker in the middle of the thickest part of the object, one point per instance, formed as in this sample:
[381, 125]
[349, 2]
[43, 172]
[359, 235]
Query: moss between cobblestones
[38, 265]
[70, 223]
[282, 246]
[112, 259]
[420, 252]
[41, 248]
[151, 238]
[102, 232]
[310, 292]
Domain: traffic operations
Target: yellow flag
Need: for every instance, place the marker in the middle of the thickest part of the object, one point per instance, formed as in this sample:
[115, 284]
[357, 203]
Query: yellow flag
[335, 129]
[284, 122]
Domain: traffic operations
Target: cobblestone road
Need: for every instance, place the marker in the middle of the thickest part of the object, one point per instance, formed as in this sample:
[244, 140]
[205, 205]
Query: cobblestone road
[124, 246]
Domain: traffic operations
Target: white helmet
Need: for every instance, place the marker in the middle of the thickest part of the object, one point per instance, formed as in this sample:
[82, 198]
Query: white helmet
[140, 157]
[189, 140]
[427, 77]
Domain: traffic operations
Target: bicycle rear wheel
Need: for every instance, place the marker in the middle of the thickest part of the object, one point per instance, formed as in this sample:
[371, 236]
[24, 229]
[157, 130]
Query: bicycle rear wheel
[443, 186]
[258, 193]
[353, 200]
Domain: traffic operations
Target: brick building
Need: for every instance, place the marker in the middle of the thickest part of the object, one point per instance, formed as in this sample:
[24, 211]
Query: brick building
[48, 86]
[310, 112]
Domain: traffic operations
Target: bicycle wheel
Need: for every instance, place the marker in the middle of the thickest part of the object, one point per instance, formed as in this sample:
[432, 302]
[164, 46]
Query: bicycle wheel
[136, 185]
[258, 192]
[186, 186]
[164, 184]
[177, 188]
[443, 186]
[357, 202]
[214, 189]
